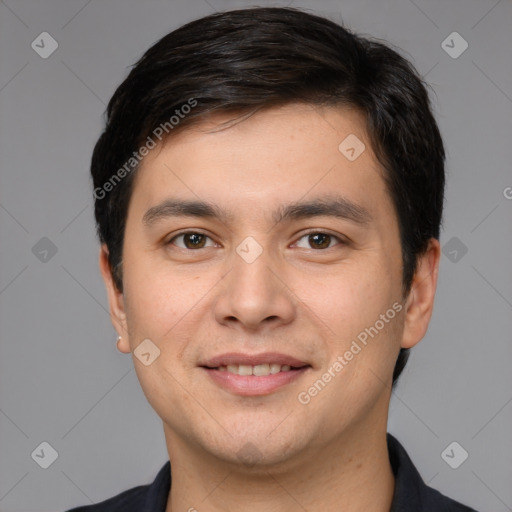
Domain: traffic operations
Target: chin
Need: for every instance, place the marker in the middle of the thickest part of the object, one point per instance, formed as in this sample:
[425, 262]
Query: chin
[257, 458]
[259, 449]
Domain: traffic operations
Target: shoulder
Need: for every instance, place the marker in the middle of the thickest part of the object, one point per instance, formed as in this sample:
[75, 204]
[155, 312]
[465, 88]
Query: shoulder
[411, 492]
[151, 497]
[438, 502]
[127, 501]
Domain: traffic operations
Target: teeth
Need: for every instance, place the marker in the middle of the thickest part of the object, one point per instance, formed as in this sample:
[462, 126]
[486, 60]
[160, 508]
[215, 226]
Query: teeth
[259, 370]
[275, 368]
[244, 369]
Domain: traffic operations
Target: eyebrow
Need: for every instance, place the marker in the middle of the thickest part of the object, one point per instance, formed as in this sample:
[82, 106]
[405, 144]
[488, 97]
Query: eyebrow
[338, 207]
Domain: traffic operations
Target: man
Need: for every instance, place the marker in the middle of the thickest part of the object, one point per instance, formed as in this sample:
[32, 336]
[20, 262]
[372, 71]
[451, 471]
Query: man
[269, 191]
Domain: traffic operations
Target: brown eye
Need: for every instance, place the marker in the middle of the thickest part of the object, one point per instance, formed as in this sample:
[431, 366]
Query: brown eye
[191, 240]
[319, 240]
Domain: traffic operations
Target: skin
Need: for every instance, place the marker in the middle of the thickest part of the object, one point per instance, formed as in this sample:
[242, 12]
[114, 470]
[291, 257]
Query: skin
[297, 298]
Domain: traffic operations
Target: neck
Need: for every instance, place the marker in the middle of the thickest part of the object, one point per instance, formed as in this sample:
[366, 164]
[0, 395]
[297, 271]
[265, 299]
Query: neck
[353, 474]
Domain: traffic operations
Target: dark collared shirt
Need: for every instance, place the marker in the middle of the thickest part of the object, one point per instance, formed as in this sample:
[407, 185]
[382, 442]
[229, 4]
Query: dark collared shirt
[411, 493]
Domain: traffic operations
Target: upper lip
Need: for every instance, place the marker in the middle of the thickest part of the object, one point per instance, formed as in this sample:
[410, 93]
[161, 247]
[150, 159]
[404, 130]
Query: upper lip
[233, 358]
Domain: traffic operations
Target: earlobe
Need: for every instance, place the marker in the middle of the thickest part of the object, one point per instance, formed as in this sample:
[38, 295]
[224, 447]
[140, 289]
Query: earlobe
[122, 345]
[116, 301]
[420, 301]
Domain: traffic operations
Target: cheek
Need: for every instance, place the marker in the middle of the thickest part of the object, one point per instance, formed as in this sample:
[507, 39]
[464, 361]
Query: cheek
[350, 298]
[163, 305]
[154, 301]
[349, 304]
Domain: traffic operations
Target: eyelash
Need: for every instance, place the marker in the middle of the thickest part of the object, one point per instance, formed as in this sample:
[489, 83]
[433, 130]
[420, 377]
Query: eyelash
[313, 232]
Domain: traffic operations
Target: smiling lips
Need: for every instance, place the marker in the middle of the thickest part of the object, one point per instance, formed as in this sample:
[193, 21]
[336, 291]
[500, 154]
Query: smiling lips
[259, 370]
[254, 375]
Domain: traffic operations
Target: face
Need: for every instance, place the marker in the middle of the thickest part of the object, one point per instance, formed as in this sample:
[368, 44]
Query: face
[275, 303]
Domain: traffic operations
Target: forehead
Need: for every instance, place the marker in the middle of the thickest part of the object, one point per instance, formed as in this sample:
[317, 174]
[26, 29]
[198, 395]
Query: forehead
[274, 157]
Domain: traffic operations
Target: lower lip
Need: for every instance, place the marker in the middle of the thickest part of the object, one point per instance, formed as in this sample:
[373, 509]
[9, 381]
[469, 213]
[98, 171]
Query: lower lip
[252, 385]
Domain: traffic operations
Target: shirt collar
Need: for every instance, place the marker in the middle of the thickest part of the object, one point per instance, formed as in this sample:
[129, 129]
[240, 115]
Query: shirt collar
[408, 482]
[158, 491]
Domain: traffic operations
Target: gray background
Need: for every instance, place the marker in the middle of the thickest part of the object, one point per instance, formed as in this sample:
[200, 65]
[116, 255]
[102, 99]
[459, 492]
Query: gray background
[62, 380]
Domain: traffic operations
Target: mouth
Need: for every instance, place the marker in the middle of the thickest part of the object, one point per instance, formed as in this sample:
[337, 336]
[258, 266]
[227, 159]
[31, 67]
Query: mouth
[254, 375]
[259, 370]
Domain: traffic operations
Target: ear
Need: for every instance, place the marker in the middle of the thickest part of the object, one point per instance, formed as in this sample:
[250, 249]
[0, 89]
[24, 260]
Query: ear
[420, 301]
[116, 301]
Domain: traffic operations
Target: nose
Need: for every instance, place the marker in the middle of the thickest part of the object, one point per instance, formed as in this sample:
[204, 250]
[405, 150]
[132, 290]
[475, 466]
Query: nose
[254, 296]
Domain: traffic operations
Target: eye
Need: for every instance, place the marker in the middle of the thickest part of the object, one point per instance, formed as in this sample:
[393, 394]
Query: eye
[319, 240]
[191, 240]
